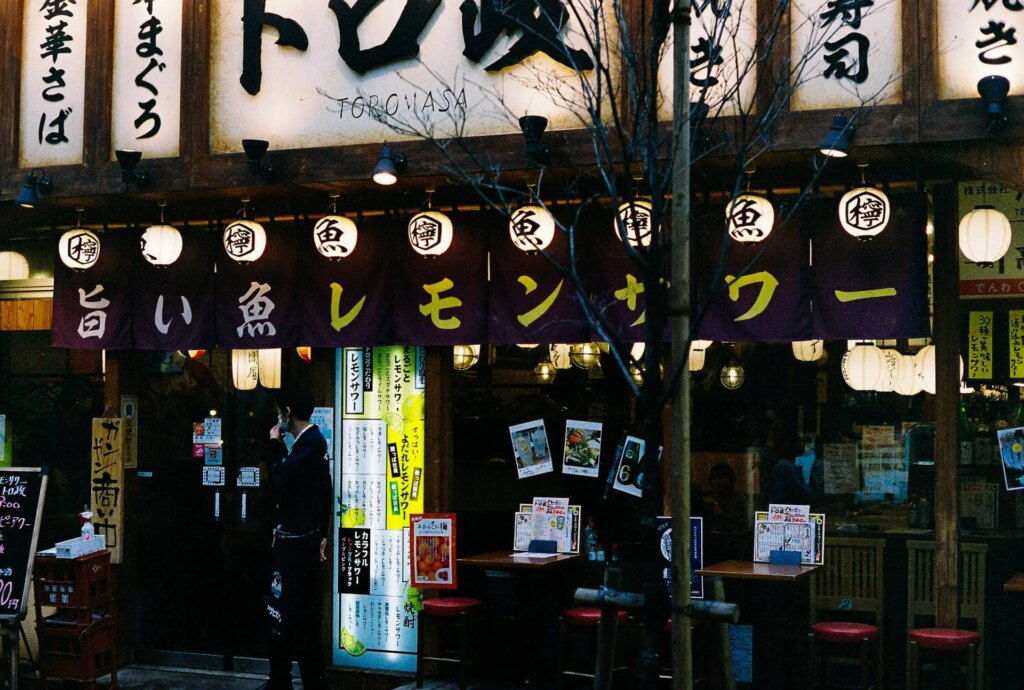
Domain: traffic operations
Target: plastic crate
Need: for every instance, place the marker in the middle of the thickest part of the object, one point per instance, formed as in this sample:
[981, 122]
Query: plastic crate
[78, 586]
[77, 652]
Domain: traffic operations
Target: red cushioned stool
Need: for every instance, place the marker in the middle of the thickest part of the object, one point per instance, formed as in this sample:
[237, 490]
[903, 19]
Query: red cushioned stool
[462, 611]
[943, 641]
[831, 640]
[582, 618]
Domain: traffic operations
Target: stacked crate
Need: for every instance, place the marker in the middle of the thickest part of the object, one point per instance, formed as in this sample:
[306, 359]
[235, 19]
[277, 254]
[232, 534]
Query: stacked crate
[77, 640]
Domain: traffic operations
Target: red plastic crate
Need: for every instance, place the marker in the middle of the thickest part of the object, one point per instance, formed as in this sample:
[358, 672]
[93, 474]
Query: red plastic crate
[77, 652]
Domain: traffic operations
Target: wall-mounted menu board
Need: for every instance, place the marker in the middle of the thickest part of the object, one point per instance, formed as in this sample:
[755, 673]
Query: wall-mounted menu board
[22, 490]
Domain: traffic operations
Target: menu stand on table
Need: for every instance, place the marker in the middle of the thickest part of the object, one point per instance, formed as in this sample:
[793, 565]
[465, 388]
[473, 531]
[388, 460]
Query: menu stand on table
[78, 641]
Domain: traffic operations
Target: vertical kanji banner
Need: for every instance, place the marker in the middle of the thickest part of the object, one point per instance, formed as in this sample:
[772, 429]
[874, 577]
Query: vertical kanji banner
[92, 304]
[613, 277]
[442, 300]
[347, 295]
[107, 481]
[532, 297]
[257, 302]
[761, 293]
[173, 306]
[875, 288]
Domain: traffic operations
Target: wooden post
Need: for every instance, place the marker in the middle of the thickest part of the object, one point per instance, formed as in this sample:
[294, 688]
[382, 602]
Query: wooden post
[947, 395]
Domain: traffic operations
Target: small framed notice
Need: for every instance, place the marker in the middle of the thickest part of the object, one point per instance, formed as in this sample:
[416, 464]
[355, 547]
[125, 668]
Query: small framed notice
[432, 550]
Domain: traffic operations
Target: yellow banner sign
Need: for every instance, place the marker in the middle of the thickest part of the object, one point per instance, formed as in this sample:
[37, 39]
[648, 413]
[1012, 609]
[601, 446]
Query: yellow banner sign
[979, 346]
[1016, 344]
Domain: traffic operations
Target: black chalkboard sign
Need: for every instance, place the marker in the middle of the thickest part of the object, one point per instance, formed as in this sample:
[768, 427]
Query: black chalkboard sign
[22, 490]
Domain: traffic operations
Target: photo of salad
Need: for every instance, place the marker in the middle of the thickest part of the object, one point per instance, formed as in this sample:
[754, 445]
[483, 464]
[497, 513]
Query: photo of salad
[582, 452]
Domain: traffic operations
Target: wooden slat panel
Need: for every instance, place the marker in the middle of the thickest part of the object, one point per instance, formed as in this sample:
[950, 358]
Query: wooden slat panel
[26, 315]
[99, 71]
[10, 85]
[195, 81]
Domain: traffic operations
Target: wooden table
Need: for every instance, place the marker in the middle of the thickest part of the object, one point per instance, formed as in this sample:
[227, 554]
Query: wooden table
[506, 559]
[775, 601]
[1015, 583]
[749, 570]
[522, 600]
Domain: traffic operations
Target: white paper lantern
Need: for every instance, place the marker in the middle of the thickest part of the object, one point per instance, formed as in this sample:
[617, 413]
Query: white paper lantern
[907, 380]
[13, 266]
[560, 356]
[465, 356]
[635, 218]
[531, 228]
[245, 241]
[79, 248]
[430, 233]
[637, 351]
[864, 212]
[925, 358]
[697, 354]
[808, 350]
[245, 369]
[270, 368]
[161, 245]
[750, 218]
[862, 367]
[984, 235]
[889, 375]
[335, 236]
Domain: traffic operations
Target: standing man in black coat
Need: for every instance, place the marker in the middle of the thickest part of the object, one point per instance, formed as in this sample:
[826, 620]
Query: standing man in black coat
[301, 485]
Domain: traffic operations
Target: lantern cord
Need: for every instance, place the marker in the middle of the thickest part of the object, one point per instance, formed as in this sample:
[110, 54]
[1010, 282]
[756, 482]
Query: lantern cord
[243, 213]
[79, 211]
[430, 197]
[162, 205]
[333, 208]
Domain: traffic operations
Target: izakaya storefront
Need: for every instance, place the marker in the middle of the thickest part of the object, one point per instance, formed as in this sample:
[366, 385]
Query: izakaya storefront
[191, 81]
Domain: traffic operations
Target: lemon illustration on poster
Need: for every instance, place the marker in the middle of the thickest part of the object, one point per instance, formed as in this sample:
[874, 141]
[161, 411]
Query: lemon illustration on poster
[531, 449]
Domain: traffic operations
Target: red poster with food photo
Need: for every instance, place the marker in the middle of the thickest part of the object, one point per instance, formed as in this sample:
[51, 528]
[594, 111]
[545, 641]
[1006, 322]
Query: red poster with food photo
[432, 550]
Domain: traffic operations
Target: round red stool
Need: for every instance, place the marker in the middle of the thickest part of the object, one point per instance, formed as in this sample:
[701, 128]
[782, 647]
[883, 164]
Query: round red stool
[439, 611]
[942, 641]
[841, 639]
[579, 618]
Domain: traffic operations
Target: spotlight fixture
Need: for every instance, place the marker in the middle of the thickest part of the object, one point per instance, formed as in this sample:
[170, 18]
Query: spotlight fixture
[28, 197]
[128, 160]
[389, 166]
[255, 149]
[994, 89]
[533, 127]
[837, 141]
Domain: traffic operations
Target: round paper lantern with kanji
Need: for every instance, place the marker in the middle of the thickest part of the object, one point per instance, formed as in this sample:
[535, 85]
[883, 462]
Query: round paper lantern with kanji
[13, 266]
[559, 356]
[864, 212]
[161, 245]
[79, 248]
[245, 369]
[430, 233]
[750, 218]
[531, 228]
[635, 218]
[808, 350]
[270, 367]
[335, 236]
[889, 375]
[245, 241]
[984, 235]
[862, 366]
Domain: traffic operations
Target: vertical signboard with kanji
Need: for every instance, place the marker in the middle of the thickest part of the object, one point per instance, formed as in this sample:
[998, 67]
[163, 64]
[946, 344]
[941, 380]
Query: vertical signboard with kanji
[978, 38]
[381, 484]
[979, 346]
[106, 466]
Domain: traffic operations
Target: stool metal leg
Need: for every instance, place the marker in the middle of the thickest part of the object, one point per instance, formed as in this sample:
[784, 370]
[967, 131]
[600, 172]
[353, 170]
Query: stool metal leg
[913, 671]
[464, 650]
[562, 634]
[865, 663]
[972, 673]
[419, 650]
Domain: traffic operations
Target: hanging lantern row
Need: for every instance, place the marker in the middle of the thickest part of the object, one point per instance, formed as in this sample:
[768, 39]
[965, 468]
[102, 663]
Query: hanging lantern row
[869, 368]
[808, 350]
[13, 266]
[249, 367]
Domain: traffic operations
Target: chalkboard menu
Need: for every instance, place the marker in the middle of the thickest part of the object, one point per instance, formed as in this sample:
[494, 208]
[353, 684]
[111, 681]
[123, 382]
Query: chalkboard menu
[22, 490]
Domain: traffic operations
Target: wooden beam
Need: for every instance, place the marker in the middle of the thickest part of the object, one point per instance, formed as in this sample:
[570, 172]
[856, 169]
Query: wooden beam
[194, 141]
[10, 86]
[99, 74]
[437, 444]
[947, 397]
